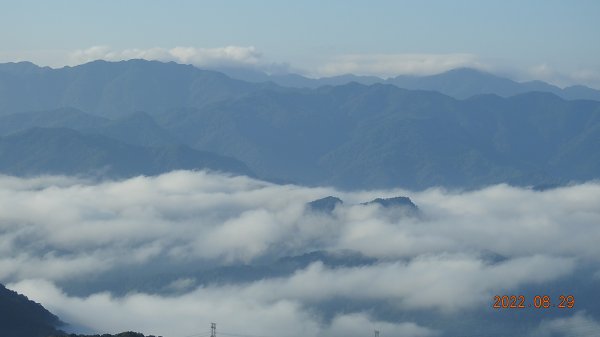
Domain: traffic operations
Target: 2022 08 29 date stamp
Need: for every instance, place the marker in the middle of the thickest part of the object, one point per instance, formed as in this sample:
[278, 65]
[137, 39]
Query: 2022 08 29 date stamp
[536, 302]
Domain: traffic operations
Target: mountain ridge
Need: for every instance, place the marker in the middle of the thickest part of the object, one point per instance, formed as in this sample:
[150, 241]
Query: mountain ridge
[349, 136]
[380, 136]
[460, 83]
[21, 317]
[38, 150]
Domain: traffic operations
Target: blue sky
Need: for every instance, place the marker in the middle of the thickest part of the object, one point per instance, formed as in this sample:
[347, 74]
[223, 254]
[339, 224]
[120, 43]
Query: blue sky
[551, 40]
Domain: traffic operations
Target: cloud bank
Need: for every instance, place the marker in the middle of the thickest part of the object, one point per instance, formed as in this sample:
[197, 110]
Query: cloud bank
[229, 55]
[463, 248]
[548, 73]
[220, 57]
[382, 65]
[390, 65]
[373, 64]
[579, 324]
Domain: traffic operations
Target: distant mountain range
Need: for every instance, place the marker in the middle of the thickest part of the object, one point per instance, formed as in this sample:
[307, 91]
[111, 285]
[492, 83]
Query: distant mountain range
[144, 117]
[38, 151]
[328, 204]
[459, 83]
[356, 136]
[114, 89]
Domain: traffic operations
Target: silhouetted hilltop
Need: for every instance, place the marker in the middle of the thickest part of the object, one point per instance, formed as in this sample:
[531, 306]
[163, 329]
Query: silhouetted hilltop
[326, 204]
[21, 317]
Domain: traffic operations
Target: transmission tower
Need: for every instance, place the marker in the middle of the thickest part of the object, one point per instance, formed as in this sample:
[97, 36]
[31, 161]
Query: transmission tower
[213, 329]
[376, 333]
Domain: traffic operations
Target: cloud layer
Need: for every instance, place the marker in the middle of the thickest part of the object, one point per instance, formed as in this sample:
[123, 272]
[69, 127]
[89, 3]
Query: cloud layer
[202, 57]
[383, 65]
[389, 65]
[463, 248]
[370, 64]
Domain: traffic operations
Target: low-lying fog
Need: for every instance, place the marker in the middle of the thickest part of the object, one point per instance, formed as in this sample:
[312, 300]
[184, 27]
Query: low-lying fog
[167, 255]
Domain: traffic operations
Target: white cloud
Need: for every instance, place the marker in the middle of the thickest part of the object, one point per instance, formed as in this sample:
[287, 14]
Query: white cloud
[382, 65]
[562, 78]
[183, 215]
[579, 324]
[190, 313]
[280, 305]
[390, 65]
[58, 230]
[228, 56]
[358, 324]
[444, 283]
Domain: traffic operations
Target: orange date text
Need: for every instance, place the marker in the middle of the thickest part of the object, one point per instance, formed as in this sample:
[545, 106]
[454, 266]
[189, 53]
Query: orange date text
[537, 302]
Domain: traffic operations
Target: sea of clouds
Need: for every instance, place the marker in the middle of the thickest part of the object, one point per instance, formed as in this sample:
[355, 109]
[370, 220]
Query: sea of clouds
[463, 248]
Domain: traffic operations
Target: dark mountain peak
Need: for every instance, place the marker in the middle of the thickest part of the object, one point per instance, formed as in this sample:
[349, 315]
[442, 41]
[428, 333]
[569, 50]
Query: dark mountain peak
[393, 202]
[396, 207]
[326, 205]
[21, 317]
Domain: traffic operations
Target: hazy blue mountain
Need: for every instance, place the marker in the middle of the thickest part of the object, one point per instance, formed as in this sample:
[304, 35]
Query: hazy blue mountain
[357, 136]
[465, 82]
[458, 83]
[349, 136]
[56, 118]
[21, 317]
[580, 92]
[137, 128]
[329, 203]
[325, 205]
[396, 207]
[295, 80]
[64, 151]
[393, 202]
[114, 88]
